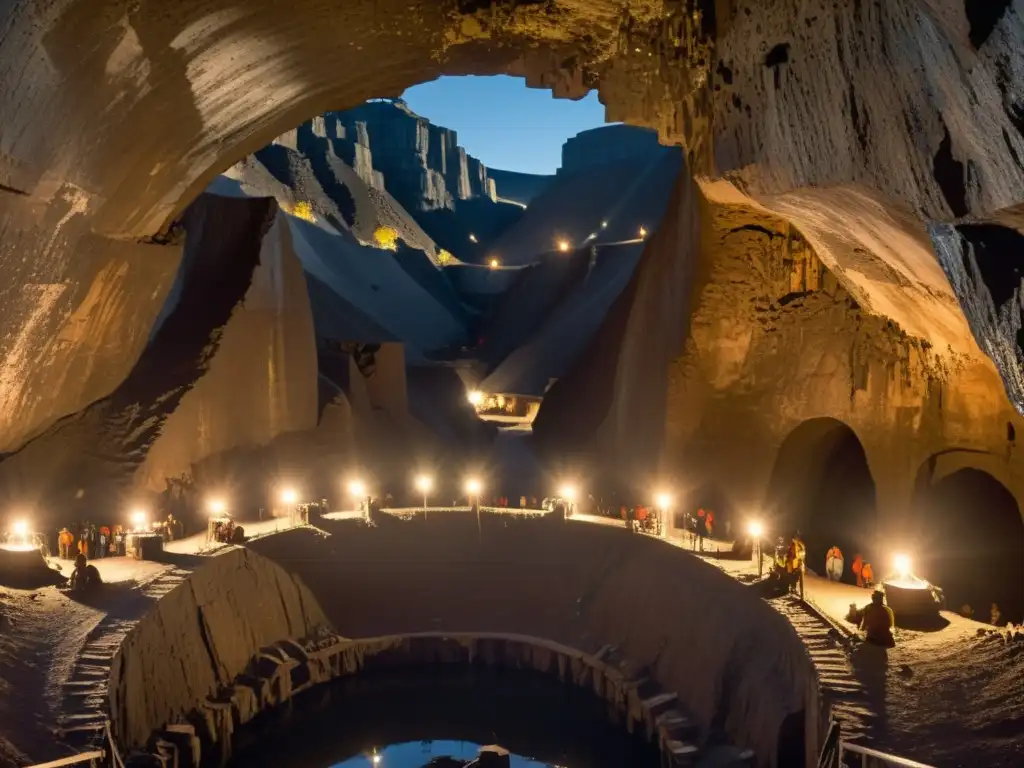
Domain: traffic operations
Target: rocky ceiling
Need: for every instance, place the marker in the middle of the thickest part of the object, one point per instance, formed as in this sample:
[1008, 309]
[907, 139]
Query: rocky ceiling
[890, 132]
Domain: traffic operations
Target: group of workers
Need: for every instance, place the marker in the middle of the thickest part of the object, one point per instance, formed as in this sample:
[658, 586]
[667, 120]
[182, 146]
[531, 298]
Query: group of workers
[90, 540]
[862, 570]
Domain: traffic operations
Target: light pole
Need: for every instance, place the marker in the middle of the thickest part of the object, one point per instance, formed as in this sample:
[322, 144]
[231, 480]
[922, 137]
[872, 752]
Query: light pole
[473, 489]
[568, 492]
[358, 490]
[289, 497]
[663, 502]
[424, 483]
[756, 531]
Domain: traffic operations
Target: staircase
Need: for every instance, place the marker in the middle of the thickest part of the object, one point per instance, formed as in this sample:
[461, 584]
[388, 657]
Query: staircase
[839, 685]
[82, 712]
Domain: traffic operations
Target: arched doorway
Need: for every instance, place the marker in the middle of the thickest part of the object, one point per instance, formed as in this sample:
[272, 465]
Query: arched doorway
[821, 485]
[971, 543]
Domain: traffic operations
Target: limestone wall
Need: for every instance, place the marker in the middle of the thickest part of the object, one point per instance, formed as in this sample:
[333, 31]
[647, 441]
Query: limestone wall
[200, 636]
[735, 663]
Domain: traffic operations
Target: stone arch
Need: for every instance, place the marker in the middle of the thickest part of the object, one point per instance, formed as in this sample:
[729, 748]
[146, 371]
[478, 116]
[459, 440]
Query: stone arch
[821, 484]
[968, 535]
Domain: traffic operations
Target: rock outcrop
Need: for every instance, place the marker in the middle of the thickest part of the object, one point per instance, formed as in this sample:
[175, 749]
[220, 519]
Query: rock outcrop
[199, 637]
[606, 145]
[231, 362]
[422, 164]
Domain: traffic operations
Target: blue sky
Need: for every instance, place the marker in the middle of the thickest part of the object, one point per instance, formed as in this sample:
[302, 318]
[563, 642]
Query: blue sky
[502, 122]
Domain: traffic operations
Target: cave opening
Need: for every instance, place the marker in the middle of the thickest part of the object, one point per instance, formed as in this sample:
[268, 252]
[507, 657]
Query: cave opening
[822, 486]
[972, 543]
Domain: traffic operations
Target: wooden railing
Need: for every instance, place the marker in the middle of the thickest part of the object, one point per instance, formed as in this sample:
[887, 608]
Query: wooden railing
[108, 757]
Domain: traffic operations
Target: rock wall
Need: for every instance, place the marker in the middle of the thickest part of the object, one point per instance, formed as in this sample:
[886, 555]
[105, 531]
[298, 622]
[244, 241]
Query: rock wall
[200, 636]
[607, 144]
[77, 310]
[241, 295]
[771, 340]
[736, 664]
[422, 164]
[262, 381]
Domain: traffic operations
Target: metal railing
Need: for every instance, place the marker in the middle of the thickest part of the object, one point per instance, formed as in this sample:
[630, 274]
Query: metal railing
[872, 758]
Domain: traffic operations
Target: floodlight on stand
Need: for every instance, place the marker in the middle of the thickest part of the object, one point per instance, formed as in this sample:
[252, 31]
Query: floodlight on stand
[475, 397]
[755, 529]
[663, 500]
[643, 232]
[289, 496]
[424, 483]
[139, 519]
[563, 246]
[494, 263]
[568, 492]
[473, 486]
[357, 488]
[20, 528]
[217, 506]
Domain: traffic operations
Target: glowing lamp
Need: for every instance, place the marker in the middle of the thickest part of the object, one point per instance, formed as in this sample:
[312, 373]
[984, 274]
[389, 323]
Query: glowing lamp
[424, 483]
[663, 500]
[288, 496]
[472, 237]
[139, 519]
[357, 488]
[473, 487]
[568, 492]
[902, 564]
[643, 232]
[217, 506]
[755, 529]
[376, 759]
[494, 263]
[563, 246]
[604, 225]
[476, 397]
[20, 529]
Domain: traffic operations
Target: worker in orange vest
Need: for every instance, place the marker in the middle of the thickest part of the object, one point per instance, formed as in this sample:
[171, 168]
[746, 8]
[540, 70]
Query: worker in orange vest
[868, 576]
[66, 540]
[858, 569]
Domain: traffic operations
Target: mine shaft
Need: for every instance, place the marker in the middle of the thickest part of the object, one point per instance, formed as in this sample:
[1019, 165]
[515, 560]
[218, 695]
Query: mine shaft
[511, 384]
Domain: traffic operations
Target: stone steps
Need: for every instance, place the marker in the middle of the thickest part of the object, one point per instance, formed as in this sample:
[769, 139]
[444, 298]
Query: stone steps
[839, 684]
[82, 712]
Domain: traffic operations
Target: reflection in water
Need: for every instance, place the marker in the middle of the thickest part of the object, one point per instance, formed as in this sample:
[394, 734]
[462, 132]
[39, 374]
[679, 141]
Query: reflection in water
[417, 754]
[437, 711]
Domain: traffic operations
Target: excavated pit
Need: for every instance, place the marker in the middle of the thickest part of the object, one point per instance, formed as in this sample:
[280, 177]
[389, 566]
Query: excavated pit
[681, 653]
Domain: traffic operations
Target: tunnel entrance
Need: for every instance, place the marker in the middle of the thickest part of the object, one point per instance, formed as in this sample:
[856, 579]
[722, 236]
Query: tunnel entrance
[972, 543]
[821, 485]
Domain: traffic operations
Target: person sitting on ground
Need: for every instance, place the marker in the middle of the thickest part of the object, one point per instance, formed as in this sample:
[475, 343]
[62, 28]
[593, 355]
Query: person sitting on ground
[85, 577]
[877, 621]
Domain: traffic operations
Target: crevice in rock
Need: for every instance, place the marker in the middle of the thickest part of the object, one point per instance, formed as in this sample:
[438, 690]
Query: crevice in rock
[755, 228]
[999, 257]
[1010, 148]
[775, 58]
[859, 125]
[983, 15]
[13, 190]
[724, 72]
[949, 174]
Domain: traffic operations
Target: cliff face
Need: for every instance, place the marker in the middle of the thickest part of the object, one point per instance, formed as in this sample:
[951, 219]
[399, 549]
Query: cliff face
[422, 164]
[606, 145]
[233, 361]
